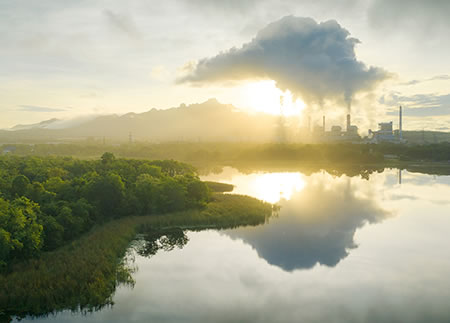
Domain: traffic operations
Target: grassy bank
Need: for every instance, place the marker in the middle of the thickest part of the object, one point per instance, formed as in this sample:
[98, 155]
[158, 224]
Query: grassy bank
[219, 187]
[225, 212]
[84, 275]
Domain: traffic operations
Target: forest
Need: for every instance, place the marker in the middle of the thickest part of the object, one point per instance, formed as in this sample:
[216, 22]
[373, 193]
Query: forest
[46, 202]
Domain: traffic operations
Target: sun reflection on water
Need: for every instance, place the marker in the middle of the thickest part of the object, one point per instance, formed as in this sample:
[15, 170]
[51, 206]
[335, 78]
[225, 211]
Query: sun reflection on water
[269, 187]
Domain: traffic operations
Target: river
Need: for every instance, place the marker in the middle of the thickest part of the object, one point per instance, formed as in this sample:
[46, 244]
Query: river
[340, 249]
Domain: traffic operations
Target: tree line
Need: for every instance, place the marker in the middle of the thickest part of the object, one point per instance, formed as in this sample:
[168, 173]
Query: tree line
[214, 153]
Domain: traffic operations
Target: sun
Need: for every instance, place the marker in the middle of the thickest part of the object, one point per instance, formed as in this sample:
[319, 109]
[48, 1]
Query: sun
[264, 96]
[270, 187]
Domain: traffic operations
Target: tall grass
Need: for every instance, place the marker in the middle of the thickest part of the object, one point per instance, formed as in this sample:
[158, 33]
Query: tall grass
[83, 276]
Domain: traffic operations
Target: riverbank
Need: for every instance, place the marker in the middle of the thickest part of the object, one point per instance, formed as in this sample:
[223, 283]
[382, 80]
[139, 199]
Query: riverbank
[83, 275]
[349, 169]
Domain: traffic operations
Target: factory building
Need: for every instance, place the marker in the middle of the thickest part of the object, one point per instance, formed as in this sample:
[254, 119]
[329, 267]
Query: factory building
[336, 134]
[385, 132]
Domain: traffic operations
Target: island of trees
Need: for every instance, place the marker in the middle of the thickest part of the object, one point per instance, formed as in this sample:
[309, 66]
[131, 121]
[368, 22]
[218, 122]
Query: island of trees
[46, 202]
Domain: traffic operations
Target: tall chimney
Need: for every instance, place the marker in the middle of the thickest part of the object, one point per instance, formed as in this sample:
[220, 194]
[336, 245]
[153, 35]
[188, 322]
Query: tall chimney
[348, 122]
[400, 123]
[323, 123]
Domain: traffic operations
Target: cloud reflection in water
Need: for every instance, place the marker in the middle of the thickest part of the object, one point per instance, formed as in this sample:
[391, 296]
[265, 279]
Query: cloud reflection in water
[316, 226]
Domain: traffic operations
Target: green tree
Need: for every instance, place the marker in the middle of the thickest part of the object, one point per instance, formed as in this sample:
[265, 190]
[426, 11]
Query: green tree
[54, 184]
[57, 172]
[39, 194]
[172, 195]
[53, 233]
[83, 210]
[152, 170]
[146, 193]
[5, 236]
[197, 193]
[108, 158]
[72, 225]
[19, 185]
[107, 193]
[5, 246]
[21, 232]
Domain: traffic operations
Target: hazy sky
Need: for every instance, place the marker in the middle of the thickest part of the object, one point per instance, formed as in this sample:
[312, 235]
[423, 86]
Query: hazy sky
[70, 58]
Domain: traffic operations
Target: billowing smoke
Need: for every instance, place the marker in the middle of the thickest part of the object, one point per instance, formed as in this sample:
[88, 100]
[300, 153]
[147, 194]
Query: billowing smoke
[315, 61]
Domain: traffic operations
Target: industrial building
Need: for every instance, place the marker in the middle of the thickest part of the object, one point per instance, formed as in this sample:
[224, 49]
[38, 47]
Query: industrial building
[336, 134]
[385, 132]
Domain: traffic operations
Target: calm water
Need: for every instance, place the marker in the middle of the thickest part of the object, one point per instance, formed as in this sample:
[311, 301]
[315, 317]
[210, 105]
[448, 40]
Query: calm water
[340, 250]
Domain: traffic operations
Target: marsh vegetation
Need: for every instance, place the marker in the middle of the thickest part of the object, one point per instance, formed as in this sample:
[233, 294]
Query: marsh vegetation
[66, 224]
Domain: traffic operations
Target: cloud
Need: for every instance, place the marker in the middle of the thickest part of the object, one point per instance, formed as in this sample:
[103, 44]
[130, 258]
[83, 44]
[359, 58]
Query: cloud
[418, 105]
[417, 16]
[315, 61]
[422, 112]
[443, 77]
[122, 23]
[443, 128]
[317, 226]
[34, 108]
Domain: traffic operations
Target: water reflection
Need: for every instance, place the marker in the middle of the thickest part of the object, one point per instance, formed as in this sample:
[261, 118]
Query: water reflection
[269, 187]
[151, 242]
[415, 186]
[395, 271]
[315, 226]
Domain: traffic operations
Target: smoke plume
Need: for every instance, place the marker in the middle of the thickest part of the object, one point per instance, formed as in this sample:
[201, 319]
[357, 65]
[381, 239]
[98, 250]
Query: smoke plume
[315, 61]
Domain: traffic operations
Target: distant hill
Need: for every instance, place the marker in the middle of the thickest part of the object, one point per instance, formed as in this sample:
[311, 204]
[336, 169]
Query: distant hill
[42, 125]
[426, 136]
[207, 121]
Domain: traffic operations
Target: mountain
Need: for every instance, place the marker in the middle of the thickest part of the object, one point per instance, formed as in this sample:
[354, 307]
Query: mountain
[207, 121]
[42, 124]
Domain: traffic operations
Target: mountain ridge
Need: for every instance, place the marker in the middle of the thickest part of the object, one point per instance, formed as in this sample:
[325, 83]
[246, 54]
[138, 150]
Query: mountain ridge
[206, 121]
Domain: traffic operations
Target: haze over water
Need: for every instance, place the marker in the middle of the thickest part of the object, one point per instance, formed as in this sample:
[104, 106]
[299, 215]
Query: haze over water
[340, 249]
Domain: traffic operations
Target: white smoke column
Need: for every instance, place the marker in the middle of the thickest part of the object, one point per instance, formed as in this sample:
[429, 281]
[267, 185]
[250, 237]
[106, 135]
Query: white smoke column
[315, 61]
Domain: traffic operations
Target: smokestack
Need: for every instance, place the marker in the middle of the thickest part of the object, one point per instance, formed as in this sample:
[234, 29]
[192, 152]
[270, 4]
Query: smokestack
[348, 122]
[400, 123]
[323, 123]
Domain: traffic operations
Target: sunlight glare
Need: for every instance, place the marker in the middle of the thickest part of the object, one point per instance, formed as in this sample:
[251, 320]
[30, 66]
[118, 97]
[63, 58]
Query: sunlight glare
[270, 187]
[264, 96]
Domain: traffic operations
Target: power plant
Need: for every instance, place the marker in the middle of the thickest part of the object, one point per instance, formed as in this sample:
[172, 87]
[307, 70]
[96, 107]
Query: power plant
[385, 132]
[336, 133]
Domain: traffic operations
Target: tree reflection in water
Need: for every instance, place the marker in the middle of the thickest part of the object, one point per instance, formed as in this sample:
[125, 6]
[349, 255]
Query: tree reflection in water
[154, 240]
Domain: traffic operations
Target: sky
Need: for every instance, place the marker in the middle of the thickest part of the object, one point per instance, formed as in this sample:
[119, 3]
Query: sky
[67, 59]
